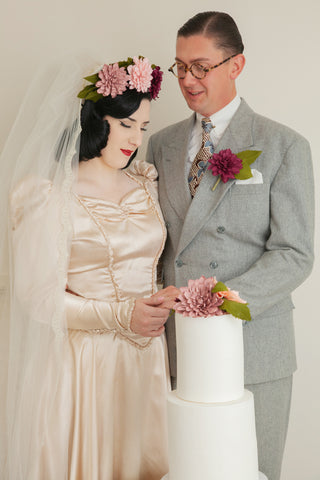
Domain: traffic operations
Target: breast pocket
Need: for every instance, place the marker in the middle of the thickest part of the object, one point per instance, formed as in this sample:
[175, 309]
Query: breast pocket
[259, 189]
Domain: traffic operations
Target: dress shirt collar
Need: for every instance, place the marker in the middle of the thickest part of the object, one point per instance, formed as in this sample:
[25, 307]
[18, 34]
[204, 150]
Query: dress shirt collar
[222, 118]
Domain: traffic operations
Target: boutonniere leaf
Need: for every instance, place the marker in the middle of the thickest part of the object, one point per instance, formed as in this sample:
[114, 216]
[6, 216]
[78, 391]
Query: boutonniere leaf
[249, 156]
[228, 165]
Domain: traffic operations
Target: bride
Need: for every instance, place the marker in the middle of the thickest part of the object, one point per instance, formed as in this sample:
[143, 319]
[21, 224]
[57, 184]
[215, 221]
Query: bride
[86, 379]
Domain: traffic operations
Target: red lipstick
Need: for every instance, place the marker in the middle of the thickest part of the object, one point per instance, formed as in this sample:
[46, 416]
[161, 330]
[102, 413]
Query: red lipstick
[128, 153]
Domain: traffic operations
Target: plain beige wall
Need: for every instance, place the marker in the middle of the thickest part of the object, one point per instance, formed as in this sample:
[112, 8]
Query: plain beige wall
[280, 80]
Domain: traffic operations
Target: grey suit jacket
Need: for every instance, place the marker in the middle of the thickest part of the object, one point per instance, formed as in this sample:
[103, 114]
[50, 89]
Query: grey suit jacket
[257, 236]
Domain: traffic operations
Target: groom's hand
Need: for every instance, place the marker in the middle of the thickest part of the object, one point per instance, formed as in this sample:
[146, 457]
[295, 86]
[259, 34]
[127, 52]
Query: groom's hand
[149, 317]
[169, 295]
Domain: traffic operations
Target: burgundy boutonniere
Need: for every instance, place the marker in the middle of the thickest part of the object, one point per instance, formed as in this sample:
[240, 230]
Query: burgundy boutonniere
[228, 165]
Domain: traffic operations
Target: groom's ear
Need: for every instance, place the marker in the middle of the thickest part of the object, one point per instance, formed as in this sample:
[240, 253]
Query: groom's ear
[237, 64]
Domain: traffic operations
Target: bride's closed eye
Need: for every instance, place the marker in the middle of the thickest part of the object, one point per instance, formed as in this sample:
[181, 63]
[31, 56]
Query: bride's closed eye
[129, 126]
[124, 125]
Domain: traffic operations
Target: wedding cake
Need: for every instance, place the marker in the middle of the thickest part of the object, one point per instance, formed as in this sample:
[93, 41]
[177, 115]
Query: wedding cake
[211, 420]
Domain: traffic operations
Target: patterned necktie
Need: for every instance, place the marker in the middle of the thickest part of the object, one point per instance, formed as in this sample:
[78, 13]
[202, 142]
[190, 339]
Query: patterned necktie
[199, 164]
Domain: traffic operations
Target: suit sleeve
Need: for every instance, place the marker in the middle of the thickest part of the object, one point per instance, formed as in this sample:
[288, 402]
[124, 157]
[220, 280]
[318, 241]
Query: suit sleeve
[288, 255]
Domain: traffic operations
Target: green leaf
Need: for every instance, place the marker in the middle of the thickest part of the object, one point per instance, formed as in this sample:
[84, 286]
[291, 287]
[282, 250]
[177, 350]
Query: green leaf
[90, 93]
[220, 287]
[239, 310]
[94, 96]
[88, 89]
[245, 172]
[92, 78]
[249, 156]
[126, 63]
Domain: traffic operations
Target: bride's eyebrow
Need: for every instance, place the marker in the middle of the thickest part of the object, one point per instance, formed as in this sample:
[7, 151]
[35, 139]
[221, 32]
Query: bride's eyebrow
[133, 120]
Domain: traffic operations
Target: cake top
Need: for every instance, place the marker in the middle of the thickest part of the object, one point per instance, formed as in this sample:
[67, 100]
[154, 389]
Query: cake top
[206, 297]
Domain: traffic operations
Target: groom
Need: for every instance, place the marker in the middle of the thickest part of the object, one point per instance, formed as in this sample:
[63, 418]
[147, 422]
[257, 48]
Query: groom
[256, 234]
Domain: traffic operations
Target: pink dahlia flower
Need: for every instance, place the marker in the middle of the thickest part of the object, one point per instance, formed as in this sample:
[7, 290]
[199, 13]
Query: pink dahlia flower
[156, 82]
[225, 163]
[113, 80]
[140, 74]
[196, 300]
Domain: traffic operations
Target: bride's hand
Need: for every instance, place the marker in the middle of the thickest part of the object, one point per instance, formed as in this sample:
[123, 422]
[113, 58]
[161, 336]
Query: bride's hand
[169, 295]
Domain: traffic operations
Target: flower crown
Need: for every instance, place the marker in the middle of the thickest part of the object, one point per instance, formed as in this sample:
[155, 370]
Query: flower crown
[113, 79]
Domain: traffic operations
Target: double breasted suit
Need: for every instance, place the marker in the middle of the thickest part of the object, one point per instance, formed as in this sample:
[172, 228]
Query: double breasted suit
[255, 235]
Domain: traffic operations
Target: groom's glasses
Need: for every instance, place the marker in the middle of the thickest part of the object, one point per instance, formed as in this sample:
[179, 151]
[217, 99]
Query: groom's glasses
[197, 70]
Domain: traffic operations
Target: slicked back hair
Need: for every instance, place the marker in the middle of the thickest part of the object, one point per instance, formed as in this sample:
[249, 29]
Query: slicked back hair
[216, 25]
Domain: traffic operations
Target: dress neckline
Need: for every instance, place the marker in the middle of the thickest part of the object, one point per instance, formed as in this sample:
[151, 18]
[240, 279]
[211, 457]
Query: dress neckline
[110, 202]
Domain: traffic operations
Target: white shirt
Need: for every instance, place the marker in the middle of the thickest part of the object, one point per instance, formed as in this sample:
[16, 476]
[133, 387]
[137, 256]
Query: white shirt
[220, 120]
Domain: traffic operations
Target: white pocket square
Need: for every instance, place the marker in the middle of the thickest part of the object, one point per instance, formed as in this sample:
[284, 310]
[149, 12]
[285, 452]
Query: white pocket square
[254, 180]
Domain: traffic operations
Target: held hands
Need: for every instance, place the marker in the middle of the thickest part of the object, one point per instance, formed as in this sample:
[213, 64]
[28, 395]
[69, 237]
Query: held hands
[150, 314]
[169, 294]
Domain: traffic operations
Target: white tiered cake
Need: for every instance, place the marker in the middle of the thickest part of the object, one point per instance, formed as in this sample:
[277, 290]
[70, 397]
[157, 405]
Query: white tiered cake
[210, 416]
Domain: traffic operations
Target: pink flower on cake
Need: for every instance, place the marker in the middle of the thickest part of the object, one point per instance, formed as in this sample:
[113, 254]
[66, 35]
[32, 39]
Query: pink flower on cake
[113, 80]
[205, 297]
[197, 300]
[140, 74]
[231, 295]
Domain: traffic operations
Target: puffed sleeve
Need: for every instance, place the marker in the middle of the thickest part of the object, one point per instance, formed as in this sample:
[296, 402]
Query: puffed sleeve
[148, 175]
[144, 169]
[33, 241]
[29, 199]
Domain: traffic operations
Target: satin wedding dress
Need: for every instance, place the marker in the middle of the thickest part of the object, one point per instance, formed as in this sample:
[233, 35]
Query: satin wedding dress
[111, 398]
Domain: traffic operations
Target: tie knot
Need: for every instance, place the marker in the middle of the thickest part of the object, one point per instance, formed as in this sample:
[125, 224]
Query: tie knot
[206, 125]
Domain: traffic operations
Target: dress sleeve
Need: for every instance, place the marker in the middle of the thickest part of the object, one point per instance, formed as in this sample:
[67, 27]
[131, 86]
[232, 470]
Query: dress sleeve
[144, 169]
[88, 314]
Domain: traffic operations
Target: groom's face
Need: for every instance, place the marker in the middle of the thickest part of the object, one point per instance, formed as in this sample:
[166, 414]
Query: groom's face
[217, 88]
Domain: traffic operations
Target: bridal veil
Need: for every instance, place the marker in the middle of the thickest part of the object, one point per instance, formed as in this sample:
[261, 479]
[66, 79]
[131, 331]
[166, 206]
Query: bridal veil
[40, 155]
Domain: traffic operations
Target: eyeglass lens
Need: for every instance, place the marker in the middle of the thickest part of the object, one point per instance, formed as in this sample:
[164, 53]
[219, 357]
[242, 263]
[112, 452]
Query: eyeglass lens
[196, 70]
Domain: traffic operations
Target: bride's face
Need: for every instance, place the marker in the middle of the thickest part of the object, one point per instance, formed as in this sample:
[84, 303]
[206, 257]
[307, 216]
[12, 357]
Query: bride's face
[125, 136]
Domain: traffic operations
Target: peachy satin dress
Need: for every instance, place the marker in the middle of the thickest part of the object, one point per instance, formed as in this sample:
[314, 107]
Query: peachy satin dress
[120, 379]
[110, 400]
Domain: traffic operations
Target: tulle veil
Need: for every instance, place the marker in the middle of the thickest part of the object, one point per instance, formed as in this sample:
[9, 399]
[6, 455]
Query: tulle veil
[38, 167]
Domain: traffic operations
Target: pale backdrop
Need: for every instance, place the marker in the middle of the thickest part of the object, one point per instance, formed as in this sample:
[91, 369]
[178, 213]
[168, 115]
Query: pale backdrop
[280, 80]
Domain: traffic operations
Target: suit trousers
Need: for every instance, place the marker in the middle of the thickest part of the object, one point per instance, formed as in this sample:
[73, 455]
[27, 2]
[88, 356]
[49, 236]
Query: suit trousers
[272, 401]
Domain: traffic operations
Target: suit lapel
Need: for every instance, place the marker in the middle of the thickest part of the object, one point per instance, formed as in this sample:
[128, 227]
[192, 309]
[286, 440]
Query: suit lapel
[237, 137]
[174, 156]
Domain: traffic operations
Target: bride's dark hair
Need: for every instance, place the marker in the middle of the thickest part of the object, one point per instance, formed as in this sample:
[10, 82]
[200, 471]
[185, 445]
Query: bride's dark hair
[95, 130]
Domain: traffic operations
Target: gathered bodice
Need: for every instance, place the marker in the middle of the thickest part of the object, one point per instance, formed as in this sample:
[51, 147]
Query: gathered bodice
[116, 247]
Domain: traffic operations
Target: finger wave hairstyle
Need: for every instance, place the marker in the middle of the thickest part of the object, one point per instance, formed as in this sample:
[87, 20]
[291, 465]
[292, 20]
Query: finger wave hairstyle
[95, 130]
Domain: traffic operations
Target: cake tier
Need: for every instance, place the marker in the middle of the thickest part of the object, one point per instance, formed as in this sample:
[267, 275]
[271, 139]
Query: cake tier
[209, 358]
[212, 441]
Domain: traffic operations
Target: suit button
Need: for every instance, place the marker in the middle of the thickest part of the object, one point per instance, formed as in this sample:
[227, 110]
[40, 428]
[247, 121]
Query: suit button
[179, 262]
[213, 265]
[221, 229]
[167, 224]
